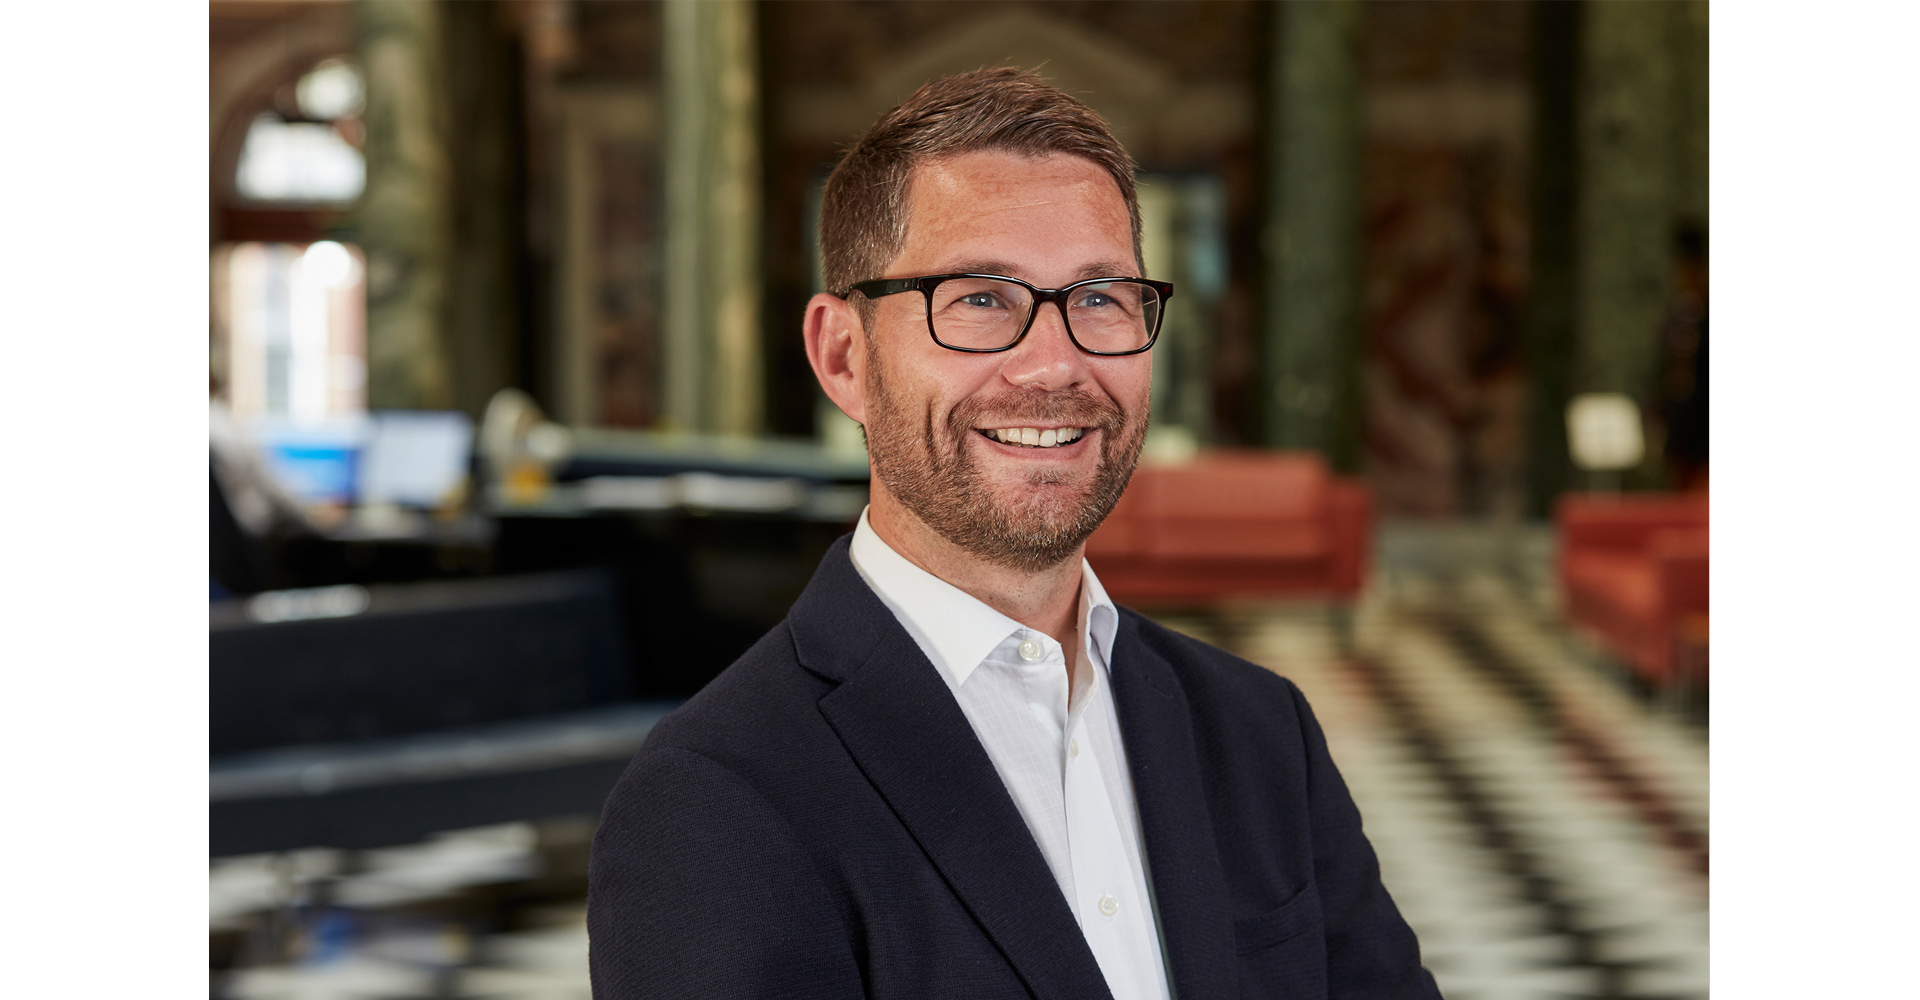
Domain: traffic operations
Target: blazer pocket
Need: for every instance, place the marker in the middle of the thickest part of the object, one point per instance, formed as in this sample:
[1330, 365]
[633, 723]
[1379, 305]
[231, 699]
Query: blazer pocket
[1284, 922]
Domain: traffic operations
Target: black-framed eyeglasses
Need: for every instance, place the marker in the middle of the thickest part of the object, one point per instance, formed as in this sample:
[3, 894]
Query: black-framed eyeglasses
[984, 313]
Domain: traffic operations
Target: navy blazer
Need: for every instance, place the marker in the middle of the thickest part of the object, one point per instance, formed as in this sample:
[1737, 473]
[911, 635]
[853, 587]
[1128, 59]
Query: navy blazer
[821, 821]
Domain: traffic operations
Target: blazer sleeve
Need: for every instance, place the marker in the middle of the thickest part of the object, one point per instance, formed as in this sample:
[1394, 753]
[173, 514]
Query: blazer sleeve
[697, 888]
[1371, 952]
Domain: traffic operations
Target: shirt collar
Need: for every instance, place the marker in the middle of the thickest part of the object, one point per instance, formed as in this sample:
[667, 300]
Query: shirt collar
[955, 629]
[1099, 619]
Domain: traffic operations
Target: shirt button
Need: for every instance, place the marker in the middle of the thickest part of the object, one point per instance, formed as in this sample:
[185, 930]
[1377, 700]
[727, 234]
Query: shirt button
[1030, 650]
[1109, 906]
[1073, 748]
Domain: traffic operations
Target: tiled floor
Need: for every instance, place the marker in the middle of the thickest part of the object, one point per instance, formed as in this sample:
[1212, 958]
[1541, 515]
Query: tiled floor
[1542, 826]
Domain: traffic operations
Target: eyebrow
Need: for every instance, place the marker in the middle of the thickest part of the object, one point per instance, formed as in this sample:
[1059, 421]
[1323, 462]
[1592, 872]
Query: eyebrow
[1098, 269]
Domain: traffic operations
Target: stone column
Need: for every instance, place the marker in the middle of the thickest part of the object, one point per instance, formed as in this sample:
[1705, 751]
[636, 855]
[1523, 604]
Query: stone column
[1550, 291]
[1625, 137]
[711, 317]
[1690, 111]
[1312, 240]
[402, 218]
[483, 318]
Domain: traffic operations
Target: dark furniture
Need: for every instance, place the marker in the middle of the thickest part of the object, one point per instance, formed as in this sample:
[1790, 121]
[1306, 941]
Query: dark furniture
[379, 714]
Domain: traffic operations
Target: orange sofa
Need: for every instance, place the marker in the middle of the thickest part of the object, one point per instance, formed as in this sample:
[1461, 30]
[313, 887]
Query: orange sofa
[1235, 523]
[1633, 575]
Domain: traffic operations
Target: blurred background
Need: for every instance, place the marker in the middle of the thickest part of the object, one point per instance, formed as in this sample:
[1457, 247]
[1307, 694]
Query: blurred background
[513, 443]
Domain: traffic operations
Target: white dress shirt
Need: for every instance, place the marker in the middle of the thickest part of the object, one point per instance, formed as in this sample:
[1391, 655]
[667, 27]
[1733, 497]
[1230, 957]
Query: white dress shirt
[1061, 757]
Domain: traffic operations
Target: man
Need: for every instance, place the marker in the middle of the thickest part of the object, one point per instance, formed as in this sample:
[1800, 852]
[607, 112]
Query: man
[957, 769]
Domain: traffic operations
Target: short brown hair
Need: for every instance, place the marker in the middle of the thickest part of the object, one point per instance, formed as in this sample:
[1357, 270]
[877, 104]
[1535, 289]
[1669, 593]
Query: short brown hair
[863, 212]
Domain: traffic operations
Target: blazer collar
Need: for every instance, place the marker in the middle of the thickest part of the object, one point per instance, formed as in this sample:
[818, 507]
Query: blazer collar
[904, 730]
[1183, 857]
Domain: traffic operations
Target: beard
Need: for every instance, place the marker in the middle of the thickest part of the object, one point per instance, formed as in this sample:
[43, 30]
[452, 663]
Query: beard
[927, 465]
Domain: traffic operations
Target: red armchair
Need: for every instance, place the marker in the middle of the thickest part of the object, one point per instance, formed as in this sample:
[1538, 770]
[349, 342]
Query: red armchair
[1226, 524]
[1633, 575]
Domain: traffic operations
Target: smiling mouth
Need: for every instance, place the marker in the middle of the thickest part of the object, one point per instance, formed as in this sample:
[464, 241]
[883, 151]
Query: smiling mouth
[1034, 437]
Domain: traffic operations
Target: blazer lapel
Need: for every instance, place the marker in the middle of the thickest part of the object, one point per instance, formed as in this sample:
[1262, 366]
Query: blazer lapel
[1189, 886]
[900, 723]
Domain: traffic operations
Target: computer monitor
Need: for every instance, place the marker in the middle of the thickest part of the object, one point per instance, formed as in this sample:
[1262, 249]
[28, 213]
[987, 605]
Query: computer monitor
[316, 463]
[415, 458]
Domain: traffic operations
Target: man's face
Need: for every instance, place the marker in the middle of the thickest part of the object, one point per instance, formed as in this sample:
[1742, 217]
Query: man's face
[939, 422]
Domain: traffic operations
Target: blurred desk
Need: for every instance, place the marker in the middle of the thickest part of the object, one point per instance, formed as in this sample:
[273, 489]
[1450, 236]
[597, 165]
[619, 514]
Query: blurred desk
[696, 588]
[695, 493]
[356, 716]
[363, 663]
[396, 525]
[385, 546]
[599, 451]
[535, 642]
[643, 471]
[394, 791]
[711, 538]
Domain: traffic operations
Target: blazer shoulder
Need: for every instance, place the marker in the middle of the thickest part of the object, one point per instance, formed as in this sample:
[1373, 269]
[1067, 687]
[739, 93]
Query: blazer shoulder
[759, 699]
[687, 849]
[1203, 667]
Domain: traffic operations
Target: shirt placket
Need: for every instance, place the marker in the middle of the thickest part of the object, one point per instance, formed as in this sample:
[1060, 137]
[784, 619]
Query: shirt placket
[1102, 882]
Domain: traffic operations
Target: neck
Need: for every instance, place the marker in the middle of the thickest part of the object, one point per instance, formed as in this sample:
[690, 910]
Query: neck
[1046, 600]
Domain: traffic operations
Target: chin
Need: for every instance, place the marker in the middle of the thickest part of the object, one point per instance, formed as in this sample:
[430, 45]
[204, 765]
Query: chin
[1040, 505]
[1033, 521]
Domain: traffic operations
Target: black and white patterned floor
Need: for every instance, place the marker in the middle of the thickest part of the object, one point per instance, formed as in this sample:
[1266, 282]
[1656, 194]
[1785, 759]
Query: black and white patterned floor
[1542, 825]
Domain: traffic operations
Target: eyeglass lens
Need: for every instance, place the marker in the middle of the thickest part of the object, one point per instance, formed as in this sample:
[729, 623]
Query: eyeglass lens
[984, 314]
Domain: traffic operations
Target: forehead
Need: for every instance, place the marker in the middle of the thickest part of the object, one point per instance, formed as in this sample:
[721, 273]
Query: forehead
[1024, 211]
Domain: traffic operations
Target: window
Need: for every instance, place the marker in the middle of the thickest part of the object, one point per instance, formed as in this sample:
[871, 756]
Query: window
[294, 319]
[308, 154]
[298, 161]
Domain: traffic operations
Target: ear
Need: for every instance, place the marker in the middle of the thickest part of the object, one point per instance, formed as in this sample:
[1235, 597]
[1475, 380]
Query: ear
[837, 350]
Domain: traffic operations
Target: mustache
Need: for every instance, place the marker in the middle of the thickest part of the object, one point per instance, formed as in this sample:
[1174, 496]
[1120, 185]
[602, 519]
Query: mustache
[1016, 407]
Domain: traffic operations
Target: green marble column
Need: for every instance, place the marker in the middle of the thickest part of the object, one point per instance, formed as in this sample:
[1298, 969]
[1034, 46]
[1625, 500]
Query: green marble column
[1549, 335]
[1312, 239]
[402, 220]
[1625, 137]
[483, 311]
[1690, 111]
[711, 341]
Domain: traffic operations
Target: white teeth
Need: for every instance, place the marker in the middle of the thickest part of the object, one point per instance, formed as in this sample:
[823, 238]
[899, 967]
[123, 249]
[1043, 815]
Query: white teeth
[1036, 438]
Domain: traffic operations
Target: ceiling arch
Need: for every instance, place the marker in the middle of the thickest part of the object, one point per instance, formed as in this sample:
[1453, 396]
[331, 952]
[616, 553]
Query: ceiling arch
[1152, 111]
[247, 73]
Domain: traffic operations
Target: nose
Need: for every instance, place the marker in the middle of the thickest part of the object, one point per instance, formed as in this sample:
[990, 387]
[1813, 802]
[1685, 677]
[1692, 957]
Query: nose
[1046, 358]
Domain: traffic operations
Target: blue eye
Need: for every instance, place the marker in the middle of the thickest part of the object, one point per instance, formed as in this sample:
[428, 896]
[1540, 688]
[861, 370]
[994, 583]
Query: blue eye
[1093, 300]
[981, 300]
